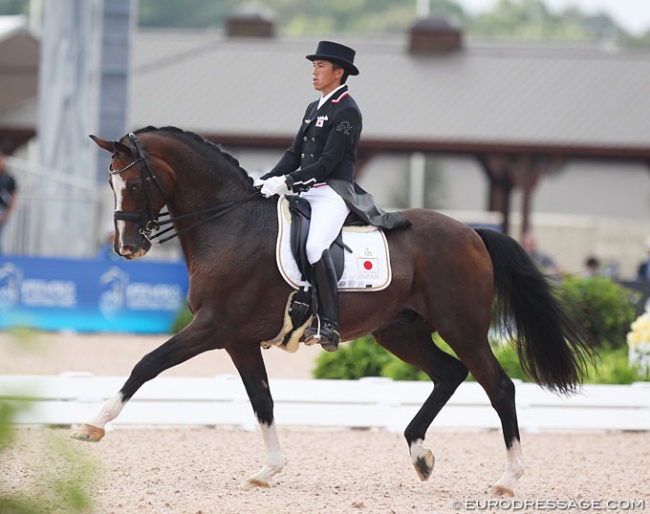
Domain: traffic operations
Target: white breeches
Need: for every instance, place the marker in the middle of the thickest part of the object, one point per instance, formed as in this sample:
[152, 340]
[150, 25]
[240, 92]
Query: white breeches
[328, 213]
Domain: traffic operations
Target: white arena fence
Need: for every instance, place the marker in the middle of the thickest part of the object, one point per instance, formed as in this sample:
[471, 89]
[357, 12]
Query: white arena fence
[381, 403]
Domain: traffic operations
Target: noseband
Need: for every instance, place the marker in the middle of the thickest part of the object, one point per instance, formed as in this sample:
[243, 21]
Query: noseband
[150, 219]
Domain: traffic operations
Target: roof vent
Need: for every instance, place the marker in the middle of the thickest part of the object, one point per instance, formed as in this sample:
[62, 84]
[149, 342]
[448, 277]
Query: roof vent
[251, 20]
[436, 34]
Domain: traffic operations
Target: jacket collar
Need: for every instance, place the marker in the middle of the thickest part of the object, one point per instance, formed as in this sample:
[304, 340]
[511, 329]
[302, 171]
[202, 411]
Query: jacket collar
[336, 95]
[334, 99]
[339, 95]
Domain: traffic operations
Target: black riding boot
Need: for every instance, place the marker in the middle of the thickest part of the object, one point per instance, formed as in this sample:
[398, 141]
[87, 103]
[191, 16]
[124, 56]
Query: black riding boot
[326, 289]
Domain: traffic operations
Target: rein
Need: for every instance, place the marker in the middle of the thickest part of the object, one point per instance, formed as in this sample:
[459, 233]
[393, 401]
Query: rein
[150, 220]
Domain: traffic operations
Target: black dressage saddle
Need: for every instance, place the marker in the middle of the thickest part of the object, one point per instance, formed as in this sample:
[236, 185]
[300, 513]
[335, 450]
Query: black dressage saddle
[300, 209]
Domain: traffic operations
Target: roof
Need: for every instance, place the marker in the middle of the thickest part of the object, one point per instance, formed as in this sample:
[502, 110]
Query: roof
[583, 99]
[568, 99]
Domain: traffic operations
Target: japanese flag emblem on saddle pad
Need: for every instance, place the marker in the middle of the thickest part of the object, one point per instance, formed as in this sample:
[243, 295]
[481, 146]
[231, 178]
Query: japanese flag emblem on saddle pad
[367, 268]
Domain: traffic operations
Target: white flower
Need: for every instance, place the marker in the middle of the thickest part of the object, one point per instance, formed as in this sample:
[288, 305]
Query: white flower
[640, 330]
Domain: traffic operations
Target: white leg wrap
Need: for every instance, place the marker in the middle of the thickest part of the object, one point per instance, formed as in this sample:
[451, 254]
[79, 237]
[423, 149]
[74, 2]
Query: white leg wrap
[274, 459]
[514, 471]
[109, 411]
[417, 450]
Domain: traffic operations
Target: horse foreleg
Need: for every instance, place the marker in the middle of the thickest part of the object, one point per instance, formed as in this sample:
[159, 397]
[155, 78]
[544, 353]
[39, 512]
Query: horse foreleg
[93, 430]
[188, 343]
[274, 459]
[250, 364]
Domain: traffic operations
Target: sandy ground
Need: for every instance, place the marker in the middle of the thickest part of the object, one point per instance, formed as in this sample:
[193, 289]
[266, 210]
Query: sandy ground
[199, 470]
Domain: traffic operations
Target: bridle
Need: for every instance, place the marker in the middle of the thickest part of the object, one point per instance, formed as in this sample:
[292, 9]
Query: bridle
[149, 219]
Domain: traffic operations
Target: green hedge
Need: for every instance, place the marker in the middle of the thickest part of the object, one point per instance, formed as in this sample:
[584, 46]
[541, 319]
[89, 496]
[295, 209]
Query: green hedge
[363, 357]
[605, 308]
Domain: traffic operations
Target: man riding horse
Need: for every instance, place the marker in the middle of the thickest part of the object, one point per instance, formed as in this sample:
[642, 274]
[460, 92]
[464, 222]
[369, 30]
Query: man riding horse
[320, 166]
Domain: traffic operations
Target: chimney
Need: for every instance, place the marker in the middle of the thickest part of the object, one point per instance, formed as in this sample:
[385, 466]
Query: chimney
[435, 35]
[251, 20]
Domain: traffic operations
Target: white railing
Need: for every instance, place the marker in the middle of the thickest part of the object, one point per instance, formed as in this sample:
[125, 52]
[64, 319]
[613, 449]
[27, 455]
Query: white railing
[69, 399]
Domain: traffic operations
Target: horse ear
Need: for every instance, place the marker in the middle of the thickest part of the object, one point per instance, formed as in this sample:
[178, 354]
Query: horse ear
[111, 146]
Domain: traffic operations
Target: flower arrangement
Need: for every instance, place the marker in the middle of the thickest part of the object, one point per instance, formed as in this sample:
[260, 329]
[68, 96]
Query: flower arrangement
[638, 343]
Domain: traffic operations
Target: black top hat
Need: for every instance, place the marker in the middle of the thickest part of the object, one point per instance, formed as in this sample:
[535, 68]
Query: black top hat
[334, 52]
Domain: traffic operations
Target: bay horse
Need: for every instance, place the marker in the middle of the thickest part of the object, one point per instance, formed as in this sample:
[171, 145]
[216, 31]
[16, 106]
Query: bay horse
[445, 278]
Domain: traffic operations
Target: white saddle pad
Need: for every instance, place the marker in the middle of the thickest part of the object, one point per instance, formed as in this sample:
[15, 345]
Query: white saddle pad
[367, 268]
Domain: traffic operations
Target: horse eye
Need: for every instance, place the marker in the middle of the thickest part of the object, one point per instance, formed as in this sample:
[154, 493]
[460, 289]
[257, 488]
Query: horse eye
[135, 186]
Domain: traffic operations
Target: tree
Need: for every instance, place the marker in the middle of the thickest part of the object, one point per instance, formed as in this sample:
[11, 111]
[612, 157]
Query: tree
[9, 7]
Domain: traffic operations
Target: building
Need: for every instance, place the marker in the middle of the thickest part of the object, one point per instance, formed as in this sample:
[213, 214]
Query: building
[546, 135]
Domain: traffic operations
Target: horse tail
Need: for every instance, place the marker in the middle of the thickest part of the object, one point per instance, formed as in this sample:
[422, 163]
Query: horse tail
[553, 347]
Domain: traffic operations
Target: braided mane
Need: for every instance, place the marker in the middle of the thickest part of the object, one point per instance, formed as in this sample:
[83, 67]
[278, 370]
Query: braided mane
[200, 140]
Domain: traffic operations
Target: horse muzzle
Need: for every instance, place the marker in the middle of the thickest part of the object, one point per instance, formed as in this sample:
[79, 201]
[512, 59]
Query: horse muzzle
[132, 240]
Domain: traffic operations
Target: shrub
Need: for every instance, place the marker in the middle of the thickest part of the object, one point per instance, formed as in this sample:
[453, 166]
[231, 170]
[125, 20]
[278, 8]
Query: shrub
[63, 488]
[363, 357]
[359, 358]
[604, 307]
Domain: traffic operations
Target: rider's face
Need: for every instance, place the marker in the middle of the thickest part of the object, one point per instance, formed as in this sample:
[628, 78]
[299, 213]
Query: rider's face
[325, 78]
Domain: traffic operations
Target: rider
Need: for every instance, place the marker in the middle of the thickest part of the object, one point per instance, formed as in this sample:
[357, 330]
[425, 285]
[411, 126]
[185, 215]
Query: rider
[323, 153]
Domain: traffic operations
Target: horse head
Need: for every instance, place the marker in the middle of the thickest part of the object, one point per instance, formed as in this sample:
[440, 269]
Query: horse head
[139, 193]
[156, 166]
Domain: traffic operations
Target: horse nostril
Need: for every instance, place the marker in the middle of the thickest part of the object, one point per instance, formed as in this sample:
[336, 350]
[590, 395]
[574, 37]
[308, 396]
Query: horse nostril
[126, 250]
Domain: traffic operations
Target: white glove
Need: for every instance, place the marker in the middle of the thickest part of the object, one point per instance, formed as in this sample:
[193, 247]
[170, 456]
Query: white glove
[275, 186]
[258, 182]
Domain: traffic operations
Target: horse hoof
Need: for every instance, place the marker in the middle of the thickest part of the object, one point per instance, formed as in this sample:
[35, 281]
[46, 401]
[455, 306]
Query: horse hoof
[88, 433]
[251, 483]
[424, 465]
[501, 491]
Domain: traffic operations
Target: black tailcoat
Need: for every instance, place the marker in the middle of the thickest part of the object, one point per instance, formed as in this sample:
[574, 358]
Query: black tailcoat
[324, 150]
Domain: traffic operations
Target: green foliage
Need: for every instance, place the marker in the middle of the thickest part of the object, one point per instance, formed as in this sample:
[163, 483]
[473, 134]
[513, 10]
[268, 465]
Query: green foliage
[59, 487]
[527, 19]
[182, 319]
[363, 357]
[507, 357]
[11, 7]
[61, 491]
[612, 368]
[359, 358]
[520, 19]
[604, 307]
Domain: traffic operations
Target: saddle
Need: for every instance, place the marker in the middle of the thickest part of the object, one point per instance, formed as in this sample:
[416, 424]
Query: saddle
[301, 306]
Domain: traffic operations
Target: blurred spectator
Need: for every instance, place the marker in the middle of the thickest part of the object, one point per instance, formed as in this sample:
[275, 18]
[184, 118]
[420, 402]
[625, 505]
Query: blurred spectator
[592, 267]
[7, 195]
[544, 262]
[643, 271]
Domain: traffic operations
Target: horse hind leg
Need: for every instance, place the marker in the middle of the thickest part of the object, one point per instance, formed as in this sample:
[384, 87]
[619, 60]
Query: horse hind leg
[487, 371]
[410, 340]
